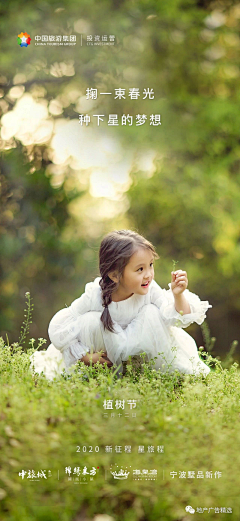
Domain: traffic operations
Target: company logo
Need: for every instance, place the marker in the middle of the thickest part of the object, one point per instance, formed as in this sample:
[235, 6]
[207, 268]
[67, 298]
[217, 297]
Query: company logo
[121, 474]
[24, 39]
[190, 509]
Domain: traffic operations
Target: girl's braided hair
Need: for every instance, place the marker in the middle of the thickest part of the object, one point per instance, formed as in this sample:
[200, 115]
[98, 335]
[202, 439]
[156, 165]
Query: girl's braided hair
[116, 249]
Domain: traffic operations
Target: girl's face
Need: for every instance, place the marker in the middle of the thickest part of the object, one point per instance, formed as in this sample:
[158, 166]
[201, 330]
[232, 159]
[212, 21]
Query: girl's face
[137, 275]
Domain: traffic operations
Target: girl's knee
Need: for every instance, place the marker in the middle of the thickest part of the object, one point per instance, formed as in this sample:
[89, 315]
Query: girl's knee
[150, 310]
[91, 320]
[91, 332]
[149, 315]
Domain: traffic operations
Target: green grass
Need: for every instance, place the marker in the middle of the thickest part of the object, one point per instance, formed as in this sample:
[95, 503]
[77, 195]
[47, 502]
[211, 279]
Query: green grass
[43, 422]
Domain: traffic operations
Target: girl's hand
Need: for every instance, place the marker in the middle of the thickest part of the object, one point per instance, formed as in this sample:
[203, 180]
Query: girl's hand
[96, 357]
[179, 281]
[103, 358]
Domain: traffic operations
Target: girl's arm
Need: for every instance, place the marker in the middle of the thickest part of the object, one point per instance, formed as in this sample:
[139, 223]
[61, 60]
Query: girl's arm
[65, 327]
[181, 305]
[181, 309]
[178, 285]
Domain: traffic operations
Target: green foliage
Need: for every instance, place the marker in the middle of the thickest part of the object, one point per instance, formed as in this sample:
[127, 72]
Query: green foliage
[28, 321]
[35, 256]
[174, 264]
[209, 341]
[229, 360]
[44, 422]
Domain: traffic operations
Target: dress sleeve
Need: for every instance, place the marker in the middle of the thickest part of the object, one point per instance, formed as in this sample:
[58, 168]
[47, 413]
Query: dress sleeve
[164, 300]
[65, 326]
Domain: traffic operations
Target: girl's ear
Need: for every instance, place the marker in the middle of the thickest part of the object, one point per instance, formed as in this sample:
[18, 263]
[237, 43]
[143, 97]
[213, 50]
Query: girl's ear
[113, 275]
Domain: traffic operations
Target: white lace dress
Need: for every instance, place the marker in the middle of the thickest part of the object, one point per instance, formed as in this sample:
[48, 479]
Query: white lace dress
[142, 323]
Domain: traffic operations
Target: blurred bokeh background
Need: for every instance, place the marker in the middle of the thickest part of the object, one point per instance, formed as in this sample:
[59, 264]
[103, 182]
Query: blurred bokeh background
[63, 185]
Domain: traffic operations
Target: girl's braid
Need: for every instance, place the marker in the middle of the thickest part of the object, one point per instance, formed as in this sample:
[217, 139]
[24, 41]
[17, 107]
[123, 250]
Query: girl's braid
[107, 287]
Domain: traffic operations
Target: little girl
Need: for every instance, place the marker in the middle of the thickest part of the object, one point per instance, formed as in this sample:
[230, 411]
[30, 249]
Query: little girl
[125, 312]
